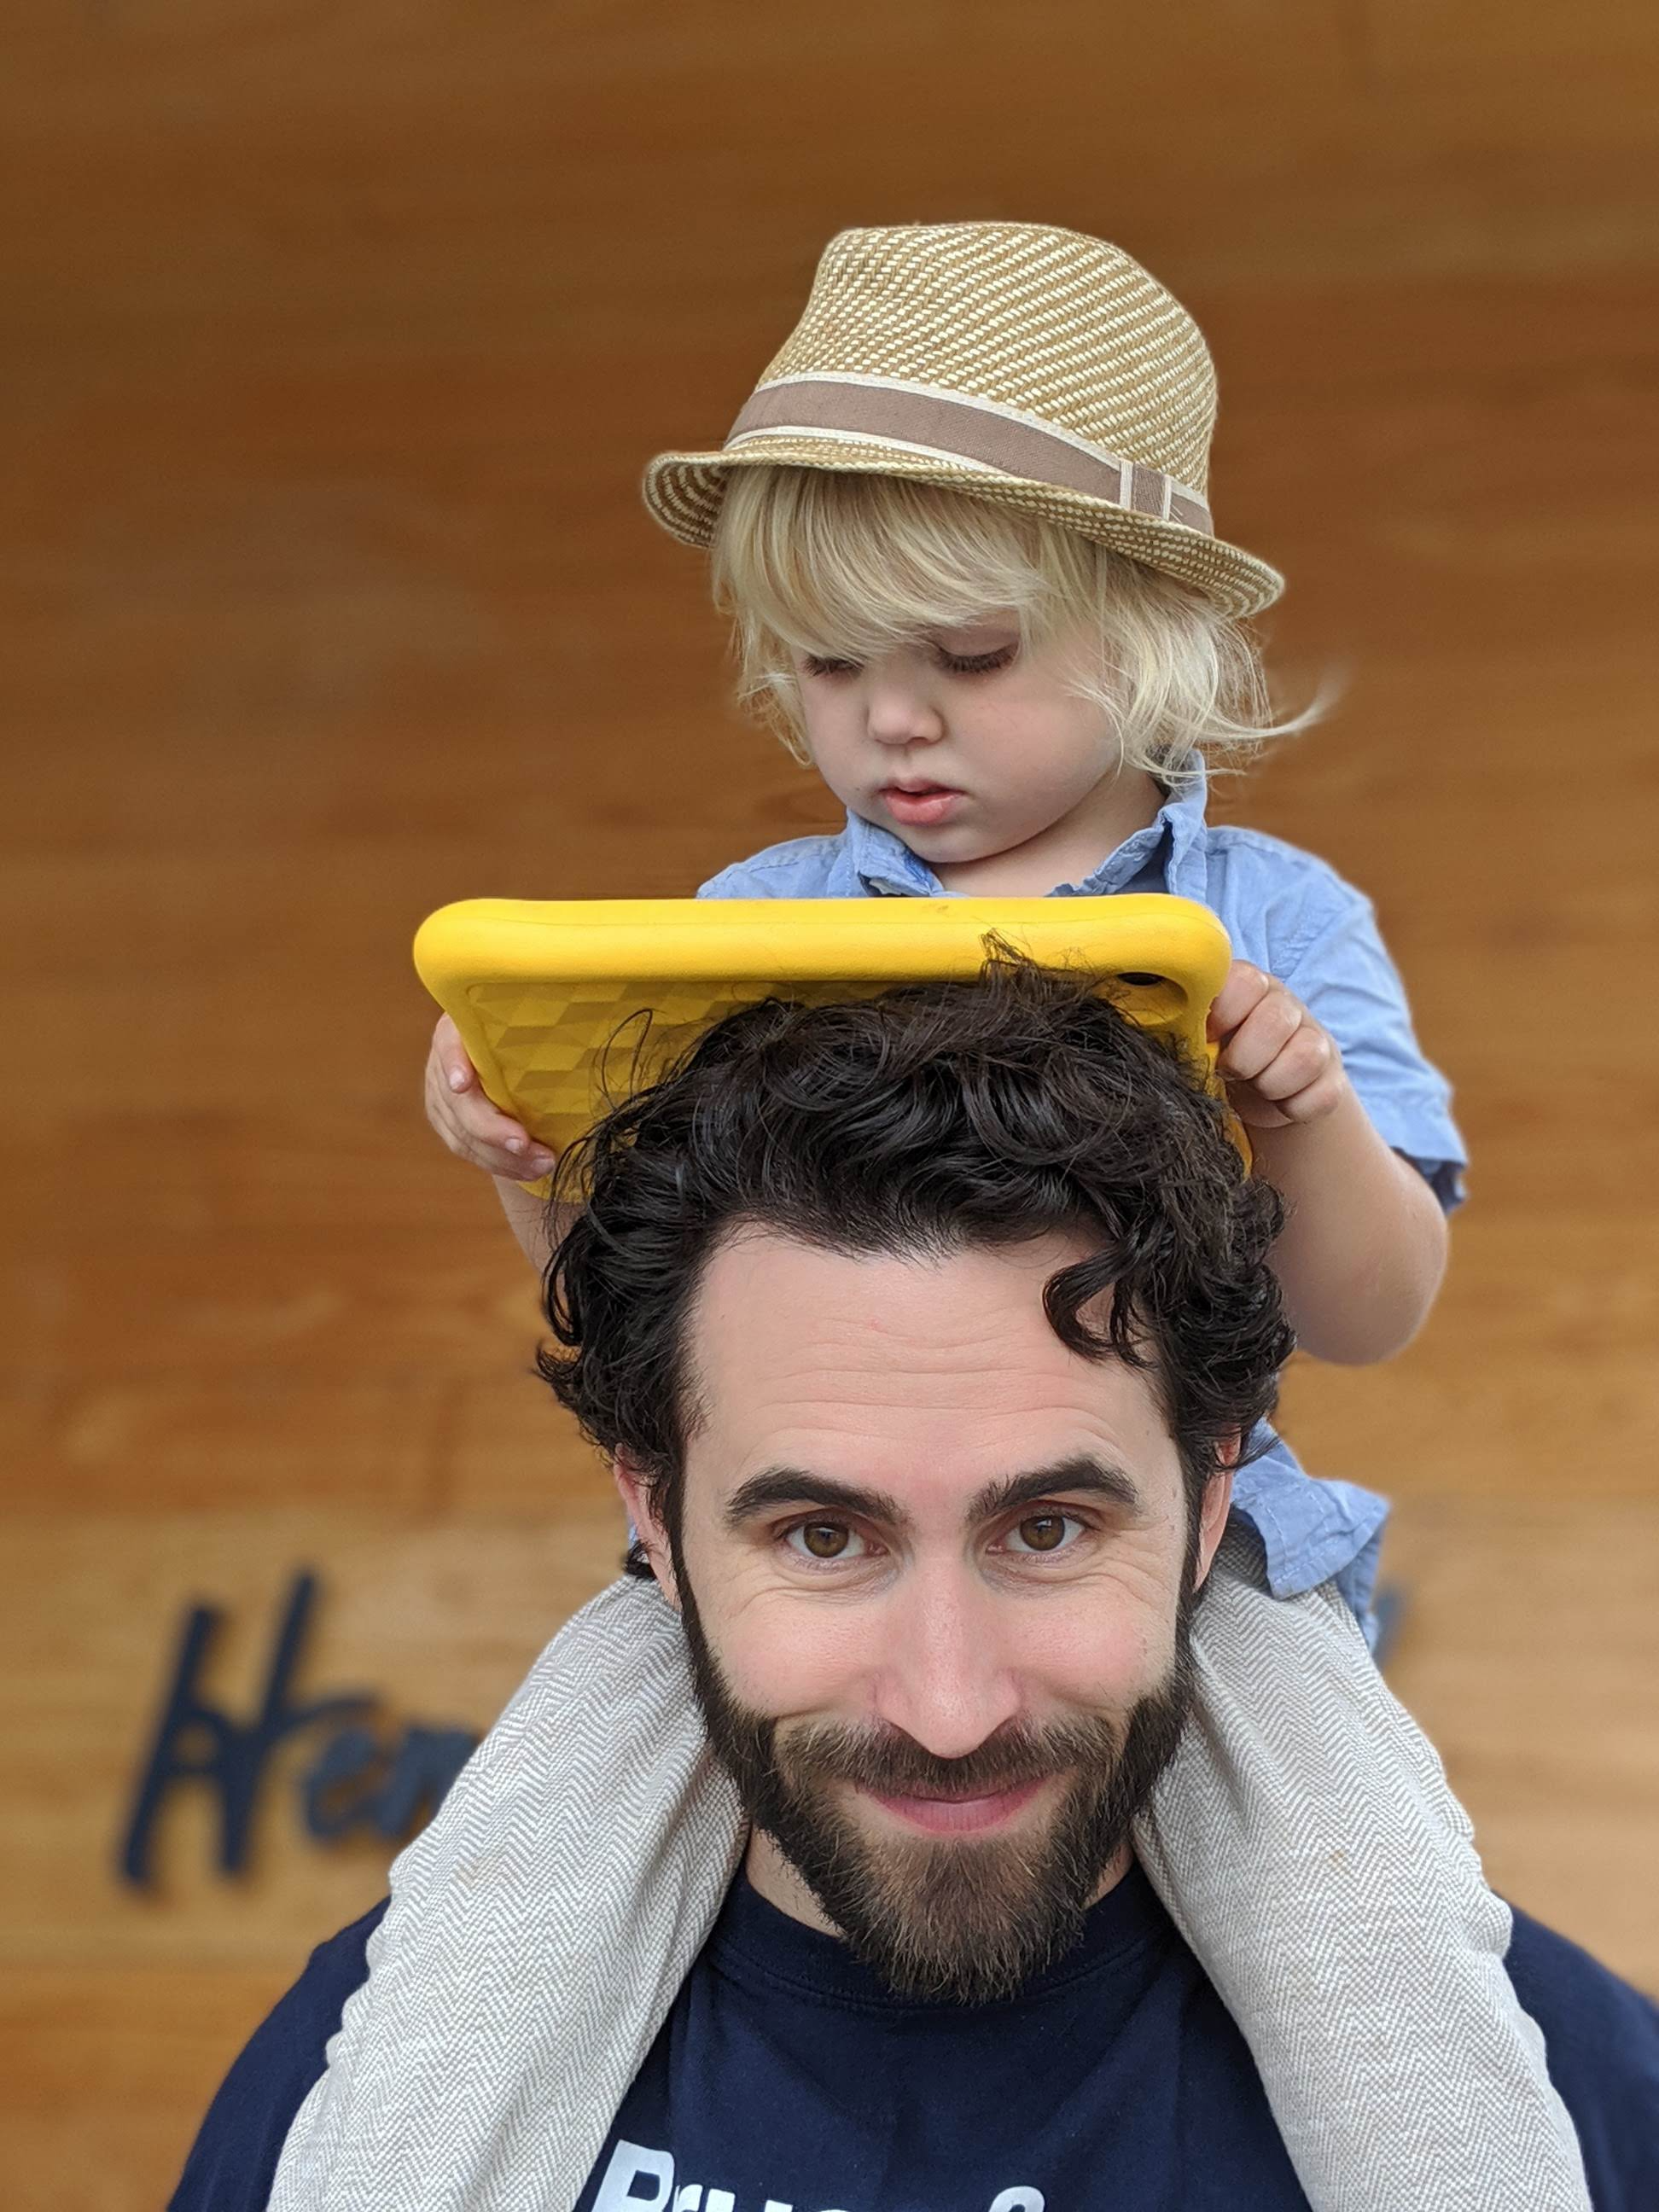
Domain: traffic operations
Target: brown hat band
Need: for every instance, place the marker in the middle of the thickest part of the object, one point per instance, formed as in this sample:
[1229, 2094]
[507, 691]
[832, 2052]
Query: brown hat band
[966, 430]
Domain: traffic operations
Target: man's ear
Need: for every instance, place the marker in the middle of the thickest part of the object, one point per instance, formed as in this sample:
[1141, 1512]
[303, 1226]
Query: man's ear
[638, 1496]
[1214, 1508]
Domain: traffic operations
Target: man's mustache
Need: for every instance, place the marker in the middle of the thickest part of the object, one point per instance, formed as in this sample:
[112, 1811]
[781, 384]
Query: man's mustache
[894, 1765]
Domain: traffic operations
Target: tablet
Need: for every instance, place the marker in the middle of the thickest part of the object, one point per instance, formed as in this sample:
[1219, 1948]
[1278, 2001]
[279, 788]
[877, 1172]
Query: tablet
[567, 1006]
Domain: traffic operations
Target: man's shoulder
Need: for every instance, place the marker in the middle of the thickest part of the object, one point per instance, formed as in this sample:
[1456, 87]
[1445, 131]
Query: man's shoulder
[1603, 2037]
[233, 2160]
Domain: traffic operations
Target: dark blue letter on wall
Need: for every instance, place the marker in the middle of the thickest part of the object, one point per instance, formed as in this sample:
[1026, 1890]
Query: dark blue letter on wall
[196, 1742]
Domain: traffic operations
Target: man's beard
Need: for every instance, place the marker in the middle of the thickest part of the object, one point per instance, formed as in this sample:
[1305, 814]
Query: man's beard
[959, 1918]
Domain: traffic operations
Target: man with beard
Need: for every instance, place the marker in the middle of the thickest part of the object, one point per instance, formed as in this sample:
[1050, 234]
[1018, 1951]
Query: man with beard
[925, 1337]
[967, 1552]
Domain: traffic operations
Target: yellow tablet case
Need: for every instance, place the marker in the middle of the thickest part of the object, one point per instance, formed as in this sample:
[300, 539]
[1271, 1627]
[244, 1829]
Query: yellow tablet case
[554, 1000]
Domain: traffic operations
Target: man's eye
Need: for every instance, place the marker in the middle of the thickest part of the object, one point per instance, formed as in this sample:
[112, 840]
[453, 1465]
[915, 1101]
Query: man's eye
[1042, 1533]
[813, 664]
[825, 1540]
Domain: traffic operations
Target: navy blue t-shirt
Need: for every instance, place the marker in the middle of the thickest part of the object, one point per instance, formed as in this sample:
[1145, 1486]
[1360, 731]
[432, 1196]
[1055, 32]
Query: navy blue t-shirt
[787, 2077]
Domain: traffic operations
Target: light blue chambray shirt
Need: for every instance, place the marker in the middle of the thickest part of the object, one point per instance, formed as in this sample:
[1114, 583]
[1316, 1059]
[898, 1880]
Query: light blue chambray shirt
[1295, 917]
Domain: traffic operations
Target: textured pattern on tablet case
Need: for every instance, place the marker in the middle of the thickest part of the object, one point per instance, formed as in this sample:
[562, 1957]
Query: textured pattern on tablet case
[563, 1003]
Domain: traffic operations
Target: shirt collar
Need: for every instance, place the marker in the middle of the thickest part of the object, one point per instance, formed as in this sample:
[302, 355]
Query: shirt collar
[1168, 852]
[757, 1943]
[884, 865]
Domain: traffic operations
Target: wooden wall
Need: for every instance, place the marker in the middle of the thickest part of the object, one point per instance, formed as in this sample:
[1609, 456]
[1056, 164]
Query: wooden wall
[332, 339]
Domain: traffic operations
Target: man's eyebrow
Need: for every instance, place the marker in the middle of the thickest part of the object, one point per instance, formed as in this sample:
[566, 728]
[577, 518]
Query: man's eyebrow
[1096, 1478]
[798, 1486]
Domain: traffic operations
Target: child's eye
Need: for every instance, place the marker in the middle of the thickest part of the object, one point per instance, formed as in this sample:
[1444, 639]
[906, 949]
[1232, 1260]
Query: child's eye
[978, 664]
[814, 664]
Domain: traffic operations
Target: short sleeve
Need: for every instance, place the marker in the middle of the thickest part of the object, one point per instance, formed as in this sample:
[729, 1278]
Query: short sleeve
[232, 2164]
[789, 870]
[1602, 2038]
[729, 884]
[1343, 975]
[799, 868]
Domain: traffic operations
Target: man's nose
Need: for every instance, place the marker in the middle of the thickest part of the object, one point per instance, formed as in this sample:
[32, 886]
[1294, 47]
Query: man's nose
[944, 1677]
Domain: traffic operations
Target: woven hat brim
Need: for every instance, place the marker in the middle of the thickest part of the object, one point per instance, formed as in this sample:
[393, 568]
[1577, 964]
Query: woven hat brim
[684, 492]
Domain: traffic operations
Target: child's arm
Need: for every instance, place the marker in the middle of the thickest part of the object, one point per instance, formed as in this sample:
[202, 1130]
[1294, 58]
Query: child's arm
[1364, 1247]
[527, 1217]
[477, 1132]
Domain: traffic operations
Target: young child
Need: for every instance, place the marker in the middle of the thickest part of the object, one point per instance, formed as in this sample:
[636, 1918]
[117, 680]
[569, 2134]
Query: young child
[961, 530]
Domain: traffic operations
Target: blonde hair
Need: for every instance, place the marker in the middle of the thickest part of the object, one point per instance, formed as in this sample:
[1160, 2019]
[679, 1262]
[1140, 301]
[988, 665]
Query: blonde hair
[848, 566]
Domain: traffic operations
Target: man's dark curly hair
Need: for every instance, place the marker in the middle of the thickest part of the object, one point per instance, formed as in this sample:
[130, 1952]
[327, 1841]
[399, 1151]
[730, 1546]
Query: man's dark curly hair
[935, 1117]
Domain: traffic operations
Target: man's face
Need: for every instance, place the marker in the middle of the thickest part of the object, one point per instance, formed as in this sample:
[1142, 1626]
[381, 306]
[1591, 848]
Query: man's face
[932, 1567]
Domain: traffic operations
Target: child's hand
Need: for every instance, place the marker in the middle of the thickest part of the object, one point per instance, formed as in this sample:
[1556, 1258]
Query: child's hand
[1277, 1062]
[473, 1129]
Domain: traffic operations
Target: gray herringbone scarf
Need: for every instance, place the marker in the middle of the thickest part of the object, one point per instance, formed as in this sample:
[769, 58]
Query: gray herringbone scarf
[1305, 1841]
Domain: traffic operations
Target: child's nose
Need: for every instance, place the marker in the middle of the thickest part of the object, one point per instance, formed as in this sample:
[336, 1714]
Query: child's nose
[899, 713]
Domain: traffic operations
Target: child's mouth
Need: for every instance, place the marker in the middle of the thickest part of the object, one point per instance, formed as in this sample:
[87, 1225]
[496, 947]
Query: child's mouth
[919, 805]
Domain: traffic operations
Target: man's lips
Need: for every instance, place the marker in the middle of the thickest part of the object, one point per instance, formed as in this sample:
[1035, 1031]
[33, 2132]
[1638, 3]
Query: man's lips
[920, 803]
[959, 1816]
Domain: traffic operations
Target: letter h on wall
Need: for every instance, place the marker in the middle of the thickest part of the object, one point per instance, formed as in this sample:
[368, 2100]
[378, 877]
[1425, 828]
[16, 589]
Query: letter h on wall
[194, 1742]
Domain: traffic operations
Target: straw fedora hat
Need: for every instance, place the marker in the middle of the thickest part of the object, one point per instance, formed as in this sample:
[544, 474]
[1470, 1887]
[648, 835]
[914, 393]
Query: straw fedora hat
[1027, 365]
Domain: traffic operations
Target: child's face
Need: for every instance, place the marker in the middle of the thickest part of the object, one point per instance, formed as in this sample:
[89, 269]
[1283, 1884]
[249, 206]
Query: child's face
[966, 744]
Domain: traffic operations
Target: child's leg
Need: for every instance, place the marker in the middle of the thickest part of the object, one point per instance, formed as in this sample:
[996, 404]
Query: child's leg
[1308, 1845]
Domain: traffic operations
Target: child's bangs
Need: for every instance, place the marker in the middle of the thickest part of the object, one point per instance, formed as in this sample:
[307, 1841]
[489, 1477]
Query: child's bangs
[848, 567]
[845, 566]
